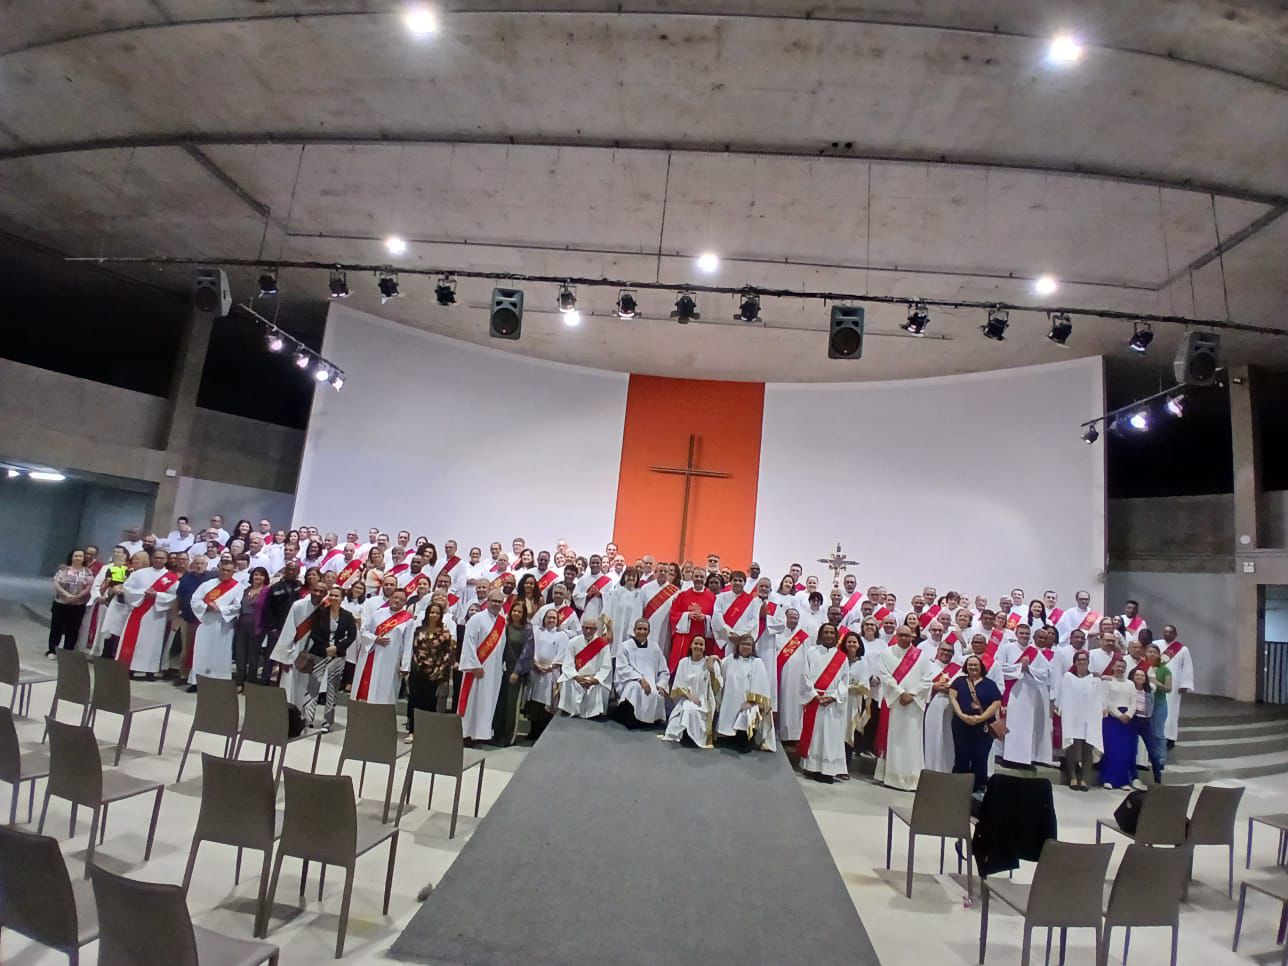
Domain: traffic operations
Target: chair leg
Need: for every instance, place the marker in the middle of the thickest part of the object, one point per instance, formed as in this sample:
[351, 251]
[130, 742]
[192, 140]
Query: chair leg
[1102, 947]
[272, 893]
[1046, 960]
[124, 739]
[261, 906]
[970, 875]
[71, 824]
[429, 802]
[942, 843]
[184, 759]
[1097, 831]
[1229, 882]
[31, 799]
[40, 829]
[1176, 941]
[53, 713]
[321, 881]
[15, 789]
[344, 912]
[93, 837]
[889, 835]
[389, 794]
[1248, 862]
[304, 877]
[478, 792]
[404, 795]
[237, 867]
[102, 827]
[152, 826]
[983, 921]
[165, 724]
[1126, 942]
[1027, 946]
[281, 763]
[362, 778]
[1064, 942]
[912, 845]
[389, 874]
[192, 863]
[456, 805]
[1238, 916]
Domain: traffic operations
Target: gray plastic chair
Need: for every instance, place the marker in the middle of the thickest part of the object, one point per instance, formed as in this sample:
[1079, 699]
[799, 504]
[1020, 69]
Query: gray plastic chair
[1146, 892]
[1162, 818]
[16, 768]
[371, 735]
[1276, 888]
[322, 825]
[244, 789]
[217, 714]
[19, 679]
[1067, 892]
[1212, 823]
[72, 685]
[147, 924]
[39, 900]
[941, 808]
[76, 774]
[267, 722]
[112, 694]
[439, 749]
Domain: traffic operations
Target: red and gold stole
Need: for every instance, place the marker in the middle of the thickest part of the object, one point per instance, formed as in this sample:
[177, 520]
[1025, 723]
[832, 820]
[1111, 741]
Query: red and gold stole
[1090, 621]
[329, 555]
[995, 639]
[928, 615]
[214, 593]
[509, 604]
[130, 636]
[1012, 619]
[565, 612]
[909, 661]
[589, 652]
[547, 580]
[791, 647]
[850, 604]
[599, 584]
[952, 638]
[1055, 615]
[737, 607]
[485, 649]
[303, 627]
[382, 630]
[656, 602]
[392, 621]
[395, 571]
[810, 714]
[348, 572]
[1173, 649]
[950, 672]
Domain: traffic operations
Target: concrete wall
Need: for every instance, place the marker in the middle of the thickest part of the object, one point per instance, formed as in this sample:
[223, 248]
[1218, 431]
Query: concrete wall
[106, 512]
[201, 499]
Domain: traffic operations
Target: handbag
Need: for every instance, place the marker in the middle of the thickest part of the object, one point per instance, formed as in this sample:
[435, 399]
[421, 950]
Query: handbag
[997, 727]
[304, 663]
[1127, 814]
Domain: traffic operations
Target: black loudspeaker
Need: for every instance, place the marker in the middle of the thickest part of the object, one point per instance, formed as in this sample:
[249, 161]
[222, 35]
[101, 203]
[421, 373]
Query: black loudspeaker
[210, 291]
[506, 318]
[845, 335]
[1197, 359]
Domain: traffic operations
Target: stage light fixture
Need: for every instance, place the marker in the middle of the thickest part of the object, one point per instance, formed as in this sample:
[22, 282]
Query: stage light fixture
[708, 262]
[338, 284]
[627, 306]
[1141, 338]
[995, 327]
[274, 341]
[46, 476]
[1091, 435]
[1139, 420]
[749, 307]
[445, 290]
[301, 359]
[918, 319]
[388, 286]
[1176, 406]
[567, 300]
[268, 282]
[420, 20]
[1061, 328]
[1045, 285]
[337, 381]
[322, 372]
[12, 473]
[395, 245]
[686, 308]
[1064, 49]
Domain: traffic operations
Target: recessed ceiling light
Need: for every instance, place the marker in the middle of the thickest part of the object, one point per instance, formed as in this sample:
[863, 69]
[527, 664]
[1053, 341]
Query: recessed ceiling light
[45, 476]
[1046, 284]
[1064, 49]
[708, 262]
[420, 20]
[395, 245]
[12, 473]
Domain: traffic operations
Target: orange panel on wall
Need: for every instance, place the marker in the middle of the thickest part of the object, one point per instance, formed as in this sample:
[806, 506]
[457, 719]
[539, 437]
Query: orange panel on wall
[661, 415]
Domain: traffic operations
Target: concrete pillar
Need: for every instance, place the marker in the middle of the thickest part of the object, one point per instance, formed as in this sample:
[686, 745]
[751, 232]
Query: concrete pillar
[177, 432]
[1247, 488]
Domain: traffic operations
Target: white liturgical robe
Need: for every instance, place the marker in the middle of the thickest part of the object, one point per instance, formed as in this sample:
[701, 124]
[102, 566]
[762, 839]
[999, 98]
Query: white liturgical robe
[636, 664]
[582, 701]
[901, 765]
[694, 690]
[938, 738]
[744, 702]
[1028, 708]
[790, 671]
[143, 639]
[745, 618]
[824, 676]
[293, 639]
[623, 605]
[1181, 663]
[548, 652]
[216, 608]
[482, 647]
[1082, 710]
[377, 668]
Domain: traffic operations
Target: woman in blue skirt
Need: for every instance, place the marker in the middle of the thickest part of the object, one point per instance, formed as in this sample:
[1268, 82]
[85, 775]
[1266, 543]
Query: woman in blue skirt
[1118, 766]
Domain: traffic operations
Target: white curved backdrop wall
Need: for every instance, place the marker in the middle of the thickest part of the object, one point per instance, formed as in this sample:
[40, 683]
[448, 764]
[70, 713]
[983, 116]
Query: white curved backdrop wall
[977, 482]
[451, 440]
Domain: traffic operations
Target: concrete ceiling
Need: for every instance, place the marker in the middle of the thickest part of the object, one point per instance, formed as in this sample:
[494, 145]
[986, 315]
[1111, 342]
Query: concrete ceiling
[925, 149]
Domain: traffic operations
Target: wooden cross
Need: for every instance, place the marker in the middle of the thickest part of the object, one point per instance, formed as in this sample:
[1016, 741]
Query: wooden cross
[838, 562]
[688, 471]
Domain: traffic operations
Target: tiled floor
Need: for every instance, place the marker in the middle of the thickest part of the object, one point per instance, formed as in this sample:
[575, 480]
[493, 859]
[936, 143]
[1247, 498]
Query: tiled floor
[934, 926]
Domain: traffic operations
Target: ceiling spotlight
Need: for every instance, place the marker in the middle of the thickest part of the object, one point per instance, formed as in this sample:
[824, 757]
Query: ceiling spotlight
[274, 341]
[322, 373]
[46, 476]
[1064, 49]
[339, 284]
[268, 281]
[1061, 328]
[1045, 285]
[708, 262]
[1139, 420]
[337, 380]
[301, 359]
[686, 308]
[995, 327]
[1176, 406]
[1141, 338]
[627, 306]
[12, 473]
[568, 301]
[395, 245]
[918, 319]
[420, 20]
[1091, 435]
[388, 286]
[571, 319]
[445, 290]
[749, 307]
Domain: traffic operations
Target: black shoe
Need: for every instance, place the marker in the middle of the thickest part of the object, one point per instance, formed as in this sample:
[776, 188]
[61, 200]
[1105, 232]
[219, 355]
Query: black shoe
[149, 676]
[190, 689]
[824, 779]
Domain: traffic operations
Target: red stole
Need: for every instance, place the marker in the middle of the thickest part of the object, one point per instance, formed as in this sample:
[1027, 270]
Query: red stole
[767, 610]
[1029, 652]
[382, 630]
[598, 584]
[1055, 615]
[348, 571]
[396, 570]
[810, 714]
[996, 637]
[1173, 649]
[214, 593]
[509, 604]
[850, 604]
[328, 556]
[1090, 621]
[737, 607]
[952, 638]
[910, 658]
[130, 636]
[589, 653]
[565, 612]
[450, 564]
[452, 599]
[485, 649]
[547, 580]
[1012, 619]
[303, 627]
[791, 647]
[881, 614]
[928, 615]
[1134, 626]
[987, 658]
[950, 672]
[658, 600]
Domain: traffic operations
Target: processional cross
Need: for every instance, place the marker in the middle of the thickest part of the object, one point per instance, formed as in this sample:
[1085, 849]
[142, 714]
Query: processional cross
[689, 470]
[837, 562]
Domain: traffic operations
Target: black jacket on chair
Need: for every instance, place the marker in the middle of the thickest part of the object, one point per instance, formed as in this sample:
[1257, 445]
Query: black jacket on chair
[320, 633]
[1016, 818]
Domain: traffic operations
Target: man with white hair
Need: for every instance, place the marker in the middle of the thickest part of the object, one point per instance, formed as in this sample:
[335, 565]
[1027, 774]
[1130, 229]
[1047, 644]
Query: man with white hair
[587, 664]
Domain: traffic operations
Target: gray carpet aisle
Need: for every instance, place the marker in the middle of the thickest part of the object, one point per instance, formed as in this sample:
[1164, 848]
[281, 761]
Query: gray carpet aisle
[615, 848]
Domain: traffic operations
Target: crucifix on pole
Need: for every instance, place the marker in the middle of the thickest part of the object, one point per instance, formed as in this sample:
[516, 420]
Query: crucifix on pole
[689, 470]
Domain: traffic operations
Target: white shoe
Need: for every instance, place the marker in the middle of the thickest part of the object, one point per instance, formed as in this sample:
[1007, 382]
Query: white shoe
[1107, 787]
[1139, 785]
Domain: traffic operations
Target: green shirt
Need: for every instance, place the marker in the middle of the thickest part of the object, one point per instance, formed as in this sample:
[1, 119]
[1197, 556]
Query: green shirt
[1163, 676]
